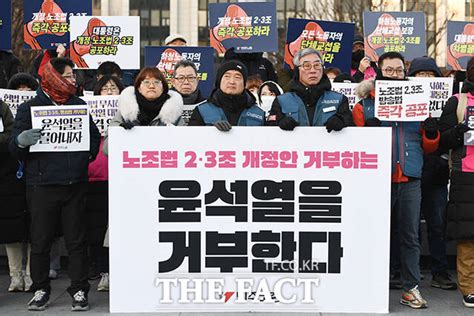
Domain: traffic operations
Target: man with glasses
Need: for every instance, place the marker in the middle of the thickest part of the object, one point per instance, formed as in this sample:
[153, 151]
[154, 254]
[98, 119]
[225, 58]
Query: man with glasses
[185, 81]
[409, 141]
[310, 101]
[56, 188]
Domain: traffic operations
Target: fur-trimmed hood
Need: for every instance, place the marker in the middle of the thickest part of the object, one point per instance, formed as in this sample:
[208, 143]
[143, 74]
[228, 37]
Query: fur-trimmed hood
[170, 113]
[362, 91]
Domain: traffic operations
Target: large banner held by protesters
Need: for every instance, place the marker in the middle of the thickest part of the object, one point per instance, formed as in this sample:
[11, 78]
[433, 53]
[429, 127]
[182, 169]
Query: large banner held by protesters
[402, 32]
[102, 108]
[234, 223]
[347, 89]
[248, 27]
[64, 128]
[441, 89]
[46, 22]
[166, 57]
[332, 39]
[15, 97]
[95, 39]
[460, 46]
[5, 24]
[402, 101]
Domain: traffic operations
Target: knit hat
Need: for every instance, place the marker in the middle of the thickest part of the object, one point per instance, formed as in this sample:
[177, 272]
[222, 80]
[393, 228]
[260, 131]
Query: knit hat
[424, 64]
[22, 78]
[174, 37]
[358, 39]
[231, 65]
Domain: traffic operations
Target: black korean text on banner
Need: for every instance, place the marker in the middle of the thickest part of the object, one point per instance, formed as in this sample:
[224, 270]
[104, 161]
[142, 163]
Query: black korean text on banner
[15, 97]
[441, 89]
[102, 109]
[64, 128]
[246, 226]
[402, 100]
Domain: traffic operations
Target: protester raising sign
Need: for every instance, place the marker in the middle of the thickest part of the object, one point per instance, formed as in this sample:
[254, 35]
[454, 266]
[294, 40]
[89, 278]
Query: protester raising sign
[402, 32]
[247, 27]
[441, 90]
[402, 100]
[247, 225]
[102, 109]
[166, 57]
[332, 39]
[64, 128]
[105, 38]
[46, 22]
[460, 46]
[15, 97]
[5, 24]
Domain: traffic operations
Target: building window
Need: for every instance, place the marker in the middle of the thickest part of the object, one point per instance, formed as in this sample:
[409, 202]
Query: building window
[469, 10]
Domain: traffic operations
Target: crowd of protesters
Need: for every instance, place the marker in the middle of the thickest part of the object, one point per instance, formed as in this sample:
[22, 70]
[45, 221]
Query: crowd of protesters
[45, 195]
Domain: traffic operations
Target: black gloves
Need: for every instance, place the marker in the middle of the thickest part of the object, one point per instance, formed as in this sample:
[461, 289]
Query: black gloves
[223, 126]
[373, 122]
[335, 123]
[288, 123]
[129, 125]
[460, 129]
[430, 125]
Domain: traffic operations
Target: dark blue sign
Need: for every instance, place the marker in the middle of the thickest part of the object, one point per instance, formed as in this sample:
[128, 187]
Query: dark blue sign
[248, 27]
[5, 24]
[332, 39]
[402, 32]
[460, 44]
[46, 22]
[165, 57]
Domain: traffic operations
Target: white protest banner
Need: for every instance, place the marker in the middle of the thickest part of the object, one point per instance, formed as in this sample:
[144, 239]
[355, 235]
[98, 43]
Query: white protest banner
[65, 128]
[469, 135]
[441, 89]
[278, 222]
[347, 89]
[95, 39]
[402, 101]
[15, 97]
[102, 109]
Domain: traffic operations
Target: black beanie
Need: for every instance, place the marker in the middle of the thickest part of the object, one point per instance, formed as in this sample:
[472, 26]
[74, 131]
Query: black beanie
[22, 78]
[231, 65]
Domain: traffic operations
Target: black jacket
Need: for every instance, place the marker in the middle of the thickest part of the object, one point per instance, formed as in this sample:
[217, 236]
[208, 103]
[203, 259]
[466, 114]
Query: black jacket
[310, 98]
[43, 168]
[9, 65]
[232, 115]
[13, 216]
[256, 64]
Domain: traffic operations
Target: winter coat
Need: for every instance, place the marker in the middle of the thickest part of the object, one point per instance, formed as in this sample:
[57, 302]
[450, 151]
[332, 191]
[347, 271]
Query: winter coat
[460, 214]
[128, 110]
[45, 168]
[13, 215]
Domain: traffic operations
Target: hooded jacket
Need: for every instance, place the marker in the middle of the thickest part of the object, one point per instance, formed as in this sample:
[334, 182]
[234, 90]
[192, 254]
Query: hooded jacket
[128, 110]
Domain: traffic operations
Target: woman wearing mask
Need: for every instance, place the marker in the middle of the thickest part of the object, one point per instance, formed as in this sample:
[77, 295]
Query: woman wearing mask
[267, 92]
[97, 198]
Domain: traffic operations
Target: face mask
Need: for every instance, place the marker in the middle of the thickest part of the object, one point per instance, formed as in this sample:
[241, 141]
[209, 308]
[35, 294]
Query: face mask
[267, 101]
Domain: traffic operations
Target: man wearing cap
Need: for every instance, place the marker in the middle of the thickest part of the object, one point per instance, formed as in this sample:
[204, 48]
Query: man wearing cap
[434, 192]
[362, 68]
[229, 104]
[176, 40]
[310, 101]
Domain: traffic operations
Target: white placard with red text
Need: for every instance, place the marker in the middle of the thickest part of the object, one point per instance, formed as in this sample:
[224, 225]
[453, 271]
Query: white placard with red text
[402, 101]
[347, 89]
[255, 219]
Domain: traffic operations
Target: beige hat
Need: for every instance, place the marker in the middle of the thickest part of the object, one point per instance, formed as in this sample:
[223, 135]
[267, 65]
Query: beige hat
[173, 37]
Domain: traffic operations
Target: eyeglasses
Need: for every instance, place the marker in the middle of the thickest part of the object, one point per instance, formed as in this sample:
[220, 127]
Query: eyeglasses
[308, 65]
[390, 71]
[148, 83]
[181, 79]
[70, 77]
[107, 89]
